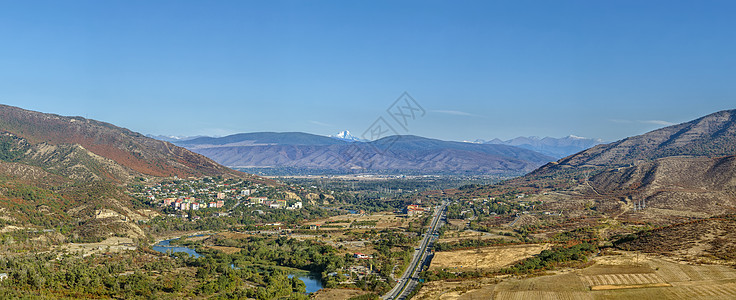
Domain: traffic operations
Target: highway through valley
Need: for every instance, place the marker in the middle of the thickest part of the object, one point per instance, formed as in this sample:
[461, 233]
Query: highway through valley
[409, 280]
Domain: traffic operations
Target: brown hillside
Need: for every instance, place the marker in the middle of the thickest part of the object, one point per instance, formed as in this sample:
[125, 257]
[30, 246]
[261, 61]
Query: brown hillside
[713, 135]
[683, 171]
[694, 184]
[710, 238]
[128, 149]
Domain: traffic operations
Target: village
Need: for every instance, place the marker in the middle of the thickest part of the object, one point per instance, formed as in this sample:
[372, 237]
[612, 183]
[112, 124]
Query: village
[214, 193]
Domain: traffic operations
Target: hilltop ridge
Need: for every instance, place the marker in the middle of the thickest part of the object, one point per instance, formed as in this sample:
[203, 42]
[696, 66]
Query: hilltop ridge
[392, 153]
[712, 135]
[102, 150]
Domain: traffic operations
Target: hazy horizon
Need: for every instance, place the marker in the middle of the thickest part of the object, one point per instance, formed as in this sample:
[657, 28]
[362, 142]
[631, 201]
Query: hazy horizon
[478, 70]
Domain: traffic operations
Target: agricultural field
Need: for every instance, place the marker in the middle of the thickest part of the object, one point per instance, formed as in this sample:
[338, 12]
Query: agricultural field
[620, 275]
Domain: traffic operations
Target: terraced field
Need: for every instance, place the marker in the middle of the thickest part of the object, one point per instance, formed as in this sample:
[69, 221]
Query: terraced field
[525, 295]
[622, 279]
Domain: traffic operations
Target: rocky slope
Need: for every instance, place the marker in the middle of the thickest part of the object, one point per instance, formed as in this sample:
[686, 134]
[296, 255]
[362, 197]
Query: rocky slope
[681, 184]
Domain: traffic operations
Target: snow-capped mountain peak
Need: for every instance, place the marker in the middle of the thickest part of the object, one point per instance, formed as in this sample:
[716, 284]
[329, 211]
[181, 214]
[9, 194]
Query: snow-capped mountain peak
[346, 136]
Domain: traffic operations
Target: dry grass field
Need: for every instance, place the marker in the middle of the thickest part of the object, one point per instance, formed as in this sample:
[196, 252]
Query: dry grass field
[337, 294]
[487, 258]
[383, 221]
[111, 244]
[227, 250]
[625, 276]
[454, 236]
[233, 235]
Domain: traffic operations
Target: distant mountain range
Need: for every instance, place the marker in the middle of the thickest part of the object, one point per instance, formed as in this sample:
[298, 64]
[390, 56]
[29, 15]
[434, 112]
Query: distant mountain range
[345, 152]
[555, 147]
[173, 138]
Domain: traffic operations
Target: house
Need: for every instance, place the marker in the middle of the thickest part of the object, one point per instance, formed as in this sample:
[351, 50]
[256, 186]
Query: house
[297, 205]
[361, 256]
[220, 204]
[220, 195]
[213, 204]
[168, 201]
[315, 226]
[245, 192]
[257, 200]
[281, 203]
[412, 210]
[3, 276]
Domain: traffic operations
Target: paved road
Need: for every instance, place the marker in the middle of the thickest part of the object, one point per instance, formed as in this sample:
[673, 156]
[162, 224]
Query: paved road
[409, 280]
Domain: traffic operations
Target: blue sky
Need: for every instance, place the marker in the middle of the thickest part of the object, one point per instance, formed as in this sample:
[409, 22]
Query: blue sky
[480, 69]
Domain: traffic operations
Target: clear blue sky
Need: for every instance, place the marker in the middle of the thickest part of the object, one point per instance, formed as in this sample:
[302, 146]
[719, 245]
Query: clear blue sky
[480, 69]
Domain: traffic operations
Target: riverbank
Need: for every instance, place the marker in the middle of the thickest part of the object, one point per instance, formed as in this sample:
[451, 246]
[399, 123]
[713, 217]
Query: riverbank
[178, 235]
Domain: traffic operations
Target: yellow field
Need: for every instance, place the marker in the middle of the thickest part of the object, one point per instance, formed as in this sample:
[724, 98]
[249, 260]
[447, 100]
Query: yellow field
[484, 258]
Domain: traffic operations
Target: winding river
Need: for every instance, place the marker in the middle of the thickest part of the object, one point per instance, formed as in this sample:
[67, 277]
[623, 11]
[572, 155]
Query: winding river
[311, 280]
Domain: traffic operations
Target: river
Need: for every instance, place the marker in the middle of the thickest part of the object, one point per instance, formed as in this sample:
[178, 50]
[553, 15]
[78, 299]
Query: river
[164, 247]
[311, 280]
